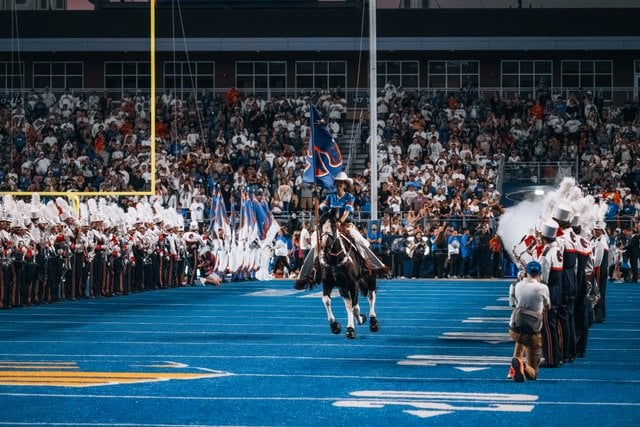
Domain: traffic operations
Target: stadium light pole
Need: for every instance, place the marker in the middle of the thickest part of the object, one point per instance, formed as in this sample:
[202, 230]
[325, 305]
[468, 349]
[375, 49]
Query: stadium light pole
[373, 111]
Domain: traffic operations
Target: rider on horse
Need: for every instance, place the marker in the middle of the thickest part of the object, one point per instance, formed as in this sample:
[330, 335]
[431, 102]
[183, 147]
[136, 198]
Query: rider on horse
[342, 203]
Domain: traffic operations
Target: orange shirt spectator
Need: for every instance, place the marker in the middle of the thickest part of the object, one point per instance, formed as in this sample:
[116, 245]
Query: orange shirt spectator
[494, 244]
[99, 143]
[232, 96]
[161, 129]
[537, 111]
[617, 199]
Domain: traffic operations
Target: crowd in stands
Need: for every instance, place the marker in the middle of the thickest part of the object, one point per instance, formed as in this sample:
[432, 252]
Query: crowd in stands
[438, 153]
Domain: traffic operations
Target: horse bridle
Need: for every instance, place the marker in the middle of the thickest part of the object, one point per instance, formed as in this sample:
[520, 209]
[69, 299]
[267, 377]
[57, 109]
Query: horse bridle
[342, 250]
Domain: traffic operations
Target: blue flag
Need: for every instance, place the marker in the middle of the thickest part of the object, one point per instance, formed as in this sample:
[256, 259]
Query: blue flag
[324, 159]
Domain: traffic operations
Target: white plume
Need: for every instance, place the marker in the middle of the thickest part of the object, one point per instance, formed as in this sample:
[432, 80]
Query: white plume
[35, 200]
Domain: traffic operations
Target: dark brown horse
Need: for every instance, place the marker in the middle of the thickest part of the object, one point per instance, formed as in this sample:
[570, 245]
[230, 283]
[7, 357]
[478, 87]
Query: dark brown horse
[341, 266]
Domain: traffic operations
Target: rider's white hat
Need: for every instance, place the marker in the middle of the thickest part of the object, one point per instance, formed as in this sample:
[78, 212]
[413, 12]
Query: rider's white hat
[342, 176]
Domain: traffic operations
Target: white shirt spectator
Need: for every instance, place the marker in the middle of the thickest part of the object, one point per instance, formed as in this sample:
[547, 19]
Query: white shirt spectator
[269, 156]
[414, 151]
[573, 125]
[435, 148]
[186, 198]
[305, 239]
[48, 98]
[50, 140]
[394, 203]
[67, 100]
[394, 148]
[285, 192]
[124, 176]
[408, 195]
[453, 248]
[334, 128]
[42, 164]
[431, 133]
[197, 210]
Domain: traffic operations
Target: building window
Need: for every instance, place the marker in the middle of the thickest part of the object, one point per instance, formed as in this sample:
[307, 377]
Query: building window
[405, 74]
[266, 78]
[453, 75]
[11, 76]
[596, 76]
[126, 76]
[58, 75]
[312, 75]
[526, 78]
[185, 78]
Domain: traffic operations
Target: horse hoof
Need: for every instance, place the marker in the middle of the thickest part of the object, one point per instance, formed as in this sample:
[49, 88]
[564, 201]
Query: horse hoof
[351, 333]
[362, 319]
[374, 326]
[336, 328]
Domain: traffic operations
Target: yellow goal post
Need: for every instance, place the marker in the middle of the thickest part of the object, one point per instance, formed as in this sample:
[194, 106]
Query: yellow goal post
[74, 197]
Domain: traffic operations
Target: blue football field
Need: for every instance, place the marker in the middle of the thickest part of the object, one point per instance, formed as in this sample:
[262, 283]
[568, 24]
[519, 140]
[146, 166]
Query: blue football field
[262, 354]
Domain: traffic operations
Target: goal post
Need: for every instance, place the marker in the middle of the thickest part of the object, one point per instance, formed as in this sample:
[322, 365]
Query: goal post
[75, 196]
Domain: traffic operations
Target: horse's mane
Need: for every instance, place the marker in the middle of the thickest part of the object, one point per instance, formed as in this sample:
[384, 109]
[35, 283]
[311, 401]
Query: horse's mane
[328, 215]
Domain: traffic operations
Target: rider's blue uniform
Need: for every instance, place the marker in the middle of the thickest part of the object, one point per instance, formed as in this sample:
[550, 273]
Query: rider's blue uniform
[340, 204]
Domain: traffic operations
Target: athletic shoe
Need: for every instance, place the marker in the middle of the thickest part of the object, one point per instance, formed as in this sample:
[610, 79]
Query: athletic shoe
[511, 374]
[518, 368]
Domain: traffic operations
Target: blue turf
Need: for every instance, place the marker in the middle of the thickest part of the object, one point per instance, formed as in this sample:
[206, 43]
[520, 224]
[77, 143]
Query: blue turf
[440, 358]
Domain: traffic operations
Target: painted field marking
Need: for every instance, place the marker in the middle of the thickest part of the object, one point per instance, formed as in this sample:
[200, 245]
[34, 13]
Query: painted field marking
[49, 374]
[488, 337]
[334, 294]
[444, 359]
[497, 308]
[433, 404]
[273, 293]
[486, 320]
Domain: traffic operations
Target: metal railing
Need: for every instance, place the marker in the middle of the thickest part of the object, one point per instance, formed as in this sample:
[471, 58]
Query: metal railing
[539, 172]
[358, 97]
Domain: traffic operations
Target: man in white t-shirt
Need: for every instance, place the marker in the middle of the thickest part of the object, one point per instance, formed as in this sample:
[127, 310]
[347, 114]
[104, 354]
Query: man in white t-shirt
[305, 239]
[529, 298]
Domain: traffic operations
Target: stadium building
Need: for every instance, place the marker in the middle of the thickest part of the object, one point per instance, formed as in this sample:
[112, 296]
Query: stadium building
[291, 46]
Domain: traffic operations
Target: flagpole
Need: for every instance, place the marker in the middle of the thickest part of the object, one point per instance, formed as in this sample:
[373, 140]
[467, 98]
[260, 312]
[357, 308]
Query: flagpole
[316, 204]
[373, 111]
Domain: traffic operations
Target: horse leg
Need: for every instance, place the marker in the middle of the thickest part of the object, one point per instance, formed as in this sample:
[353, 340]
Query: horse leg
[336, 328]
[351, 330]
[360, 318]
[374, 326]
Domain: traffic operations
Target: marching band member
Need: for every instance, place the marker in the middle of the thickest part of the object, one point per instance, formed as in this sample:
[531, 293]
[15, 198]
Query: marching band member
[38, 230]
[24, 251]
[6, 264]
[96, 246]
[568, 240]
[151, 242]
[551, 261]
[600, 242]
[526, 250]
[79, 248]
[193, 241]
[68, 232]
[141, 247]
[585, 286]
